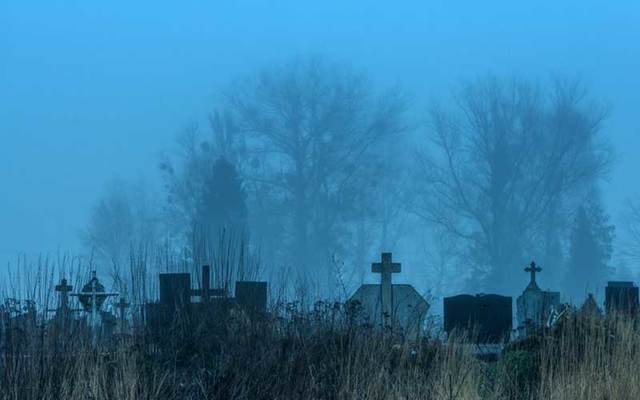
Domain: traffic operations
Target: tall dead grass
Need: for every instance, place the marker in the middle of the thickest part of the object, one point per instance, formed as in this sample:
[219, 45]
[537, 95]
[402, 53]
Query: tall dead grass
[592, 358]
[298, 351]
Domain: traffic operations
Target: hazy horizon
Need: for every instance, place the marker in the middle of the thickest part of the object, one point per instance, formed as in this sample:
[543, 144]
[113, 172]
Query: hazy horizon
[91, 92]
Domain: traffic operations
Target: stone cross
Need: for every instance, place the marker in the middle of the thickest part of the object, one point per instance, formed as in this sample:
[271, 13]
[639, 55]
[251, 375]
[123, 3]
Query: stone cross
[95, 291]
[64, 289]
[532, 269]
[206, 292]
[385, 268]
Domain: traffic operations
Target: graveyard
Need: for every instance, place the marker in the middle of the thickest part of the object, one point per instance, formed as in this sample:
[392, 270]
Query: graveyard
[199, 339]
[319, 200]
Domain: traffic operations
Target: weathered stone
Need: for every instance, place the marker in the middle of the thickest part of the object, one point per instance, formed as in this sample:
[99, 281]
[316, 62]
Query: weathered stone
[408, 308]
[391, 305]
[535, 306]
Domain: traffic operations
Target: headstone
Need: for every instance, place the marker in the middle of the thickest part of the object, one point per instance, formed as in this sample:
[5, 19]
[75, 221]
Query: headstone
[487, 317]
[535, 306]
[621, 297]
[176, 303]
[385, 268]
[183, 309]
[252, 296]
[63, 304]
[92, 298]
[389, 305]
[175, 291]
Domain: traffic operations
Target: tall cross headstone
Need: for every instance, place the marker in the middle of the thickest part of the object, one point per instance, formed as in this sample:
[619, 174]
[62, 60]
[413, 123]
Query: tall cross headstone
[385, 268]
[92, 297]
[64, 289]
[533, 269]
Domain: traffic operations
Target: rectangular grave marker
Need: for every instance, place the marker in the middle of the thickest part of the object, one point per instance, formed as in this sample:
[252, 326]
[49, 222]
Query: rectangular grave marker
[622, 297]
[487, 316]
[251, 295]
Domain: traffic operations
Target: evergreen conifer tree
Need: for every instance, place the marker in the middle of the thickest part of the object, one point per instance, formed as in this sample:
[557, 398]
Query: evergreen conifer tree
[590, 251]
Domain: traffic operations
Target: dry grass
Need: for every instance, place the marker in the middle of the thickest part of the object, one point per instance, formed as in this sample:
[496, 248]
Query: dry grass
[321, 354]
[298, 352]
[592, 358]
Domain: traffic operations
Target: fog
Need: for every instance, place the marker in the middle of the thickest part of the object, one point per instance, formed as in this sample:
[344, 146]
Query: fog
[91, 92]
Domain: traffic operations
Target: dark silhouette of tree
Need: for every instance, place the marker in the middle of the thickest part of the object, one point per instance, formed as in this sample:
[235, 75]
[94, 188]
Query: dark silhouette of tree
[504, 164]
[590, 250]
[205, 193]
[223, 202]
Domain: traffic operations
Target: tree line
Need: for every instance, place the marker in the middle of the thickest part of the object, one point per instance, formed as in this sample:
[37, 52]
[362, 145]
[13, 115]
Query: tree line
[313, 168]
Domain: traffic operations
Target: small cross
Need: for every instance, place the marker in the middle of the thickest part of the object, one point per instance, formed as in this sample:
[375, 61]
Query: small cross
[64, 288]
[532, 269]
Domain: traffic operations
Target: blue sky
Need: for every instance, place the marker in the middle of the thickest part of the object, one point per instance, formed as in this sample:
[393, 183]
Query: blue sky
[91, 91]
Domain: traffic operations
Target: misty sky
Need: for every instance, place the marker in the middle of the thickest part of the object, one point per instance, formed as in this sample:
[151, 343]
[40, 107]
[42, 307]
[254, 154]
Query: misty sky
[91, 91]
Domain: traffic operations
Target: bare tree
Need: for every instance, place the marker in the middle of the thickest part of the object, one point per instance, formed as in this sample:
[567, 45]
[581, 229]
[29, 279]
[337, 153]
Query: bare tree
[313, 133]
[125, 219]
[503, 166]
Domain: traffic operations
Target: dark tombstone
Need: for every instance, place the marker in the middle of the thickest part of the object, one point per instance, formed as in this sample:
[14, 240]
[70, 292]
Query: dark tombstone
[182, 310]
[176, 303]
[64, 289]
[251, 295]
[621, 297]
[487, 317]
[175, 299]
[175, 291]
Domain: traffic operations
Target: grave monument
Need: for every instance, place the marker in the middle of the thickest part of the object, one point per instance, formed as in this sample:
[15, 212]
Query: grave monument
[390, 305]
[621, 297]
[535, 306]
[486, 317]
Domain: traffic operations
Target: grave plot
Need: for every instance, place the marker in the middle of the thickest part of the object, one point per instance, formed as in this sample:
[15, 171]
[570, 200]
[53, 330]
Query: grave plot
[487, 317]
[391, 305]
[185, 307]
[536, 308]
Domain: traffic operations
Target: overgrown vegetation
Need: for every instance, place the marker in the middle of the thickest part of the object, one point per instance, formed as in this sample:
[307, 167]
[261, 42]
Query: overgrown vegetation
[296, 352]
